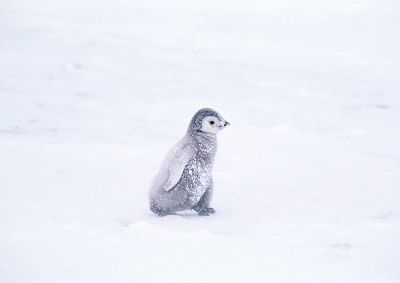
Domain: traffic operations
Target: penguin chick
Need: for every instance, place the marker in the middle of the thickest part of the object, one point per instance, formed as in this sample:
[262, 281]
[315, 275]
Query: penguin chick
[185, 179]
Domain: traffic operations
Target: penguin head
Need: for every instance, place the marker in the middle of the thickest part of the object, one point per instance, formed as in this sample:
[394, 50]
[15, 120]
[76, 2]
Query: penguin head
[208, 121]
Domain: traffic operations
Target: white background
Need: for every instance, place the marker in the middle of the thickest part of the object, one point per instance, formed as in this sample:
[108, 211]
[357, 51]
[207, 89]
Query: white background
[307, 177]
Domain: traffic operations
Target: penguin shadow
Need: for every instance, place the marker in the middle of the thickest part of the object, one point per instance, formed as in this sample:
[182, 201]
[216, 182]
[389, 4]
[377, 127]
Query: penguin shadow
[188, 214]
[180, 214]
[151, 216]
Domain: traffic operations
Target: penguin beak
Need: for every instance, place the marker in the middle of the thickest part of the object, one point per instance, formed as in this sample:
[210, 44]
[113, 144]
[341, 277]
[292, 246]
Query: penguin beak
[226, 123]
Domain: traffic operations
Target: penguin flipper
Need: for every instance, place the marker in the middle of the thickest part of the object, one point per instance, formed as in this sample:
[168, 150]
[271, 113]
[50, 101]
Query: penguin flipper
[177, 163]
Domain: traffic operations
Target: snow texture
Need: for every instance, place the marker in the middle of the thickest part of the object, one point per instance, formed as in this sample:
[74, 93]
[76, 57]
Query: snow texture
[306, 179]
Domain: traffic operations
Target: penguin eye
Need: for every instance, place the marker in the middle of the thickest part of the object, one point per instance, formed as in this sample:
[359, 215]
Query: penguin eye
[212, 122]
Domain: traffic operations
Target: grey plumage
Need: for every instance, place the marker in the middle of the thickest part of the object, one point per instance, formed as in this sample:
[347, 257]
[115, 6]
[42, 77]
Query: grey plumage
[185, 178]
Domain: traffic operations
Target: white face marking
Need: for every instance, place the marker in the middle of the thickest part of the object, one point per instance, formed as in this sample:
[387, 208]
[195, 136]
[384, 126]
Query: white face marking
[212, 125]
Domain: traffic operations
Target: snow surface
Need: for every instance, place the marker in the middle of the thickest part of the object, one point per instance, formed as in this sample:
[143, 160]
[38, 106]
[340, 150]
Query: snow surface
[94, 93]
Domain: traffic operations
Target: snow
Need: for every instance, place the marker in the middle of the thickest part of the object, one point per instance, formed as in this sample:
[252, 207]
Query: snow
[94, 93]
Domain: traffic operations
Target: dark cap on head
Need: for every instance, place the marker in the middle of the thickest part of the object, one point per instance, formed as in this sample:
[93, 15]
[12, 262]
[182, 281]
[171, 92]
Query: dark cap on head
[196, 122]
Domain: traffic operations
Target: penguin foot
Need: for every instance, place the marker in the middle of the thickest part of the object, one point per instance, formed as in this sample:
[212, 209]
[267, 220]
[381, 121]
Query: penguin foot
[206, 211]
[160, 212]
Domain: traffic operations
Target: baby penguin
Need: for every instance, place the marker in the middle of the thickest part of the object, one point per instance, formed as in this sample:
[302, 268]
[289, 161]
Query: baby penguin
[185, 179]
